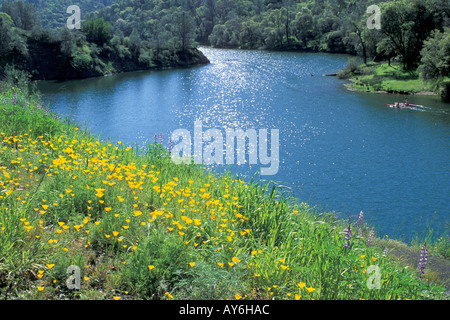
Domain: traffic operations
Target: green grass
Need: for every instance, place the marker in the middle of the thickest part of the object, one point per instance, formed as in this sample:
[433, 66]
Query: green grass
[141, 227]
[380, 77]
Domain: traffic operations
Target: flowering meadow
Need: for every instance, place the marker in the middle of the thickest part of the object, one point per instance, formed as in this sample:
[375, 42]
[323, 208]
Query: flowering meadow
[139, 226]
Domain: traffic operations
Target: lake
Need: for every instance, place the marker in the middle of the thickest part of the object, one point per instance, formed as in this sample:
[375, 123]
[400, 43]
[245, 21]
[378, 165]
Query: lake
[338, 150]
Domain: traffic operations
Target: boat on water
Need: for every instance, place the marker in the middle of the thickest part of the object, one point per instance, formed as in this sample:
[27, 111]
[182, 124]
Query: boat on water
[400, 106]
[404, 105]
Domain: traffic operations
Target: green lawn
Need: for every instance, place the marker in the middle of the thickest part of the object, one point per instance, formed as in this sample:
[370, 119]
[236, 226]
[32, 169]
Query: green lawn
[376, 77]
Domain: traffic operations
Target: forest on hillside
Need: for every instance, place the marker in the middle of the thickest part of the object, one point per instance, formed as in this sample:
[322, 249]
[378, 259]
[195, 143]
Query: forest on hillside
[34, 46]
[412, 32]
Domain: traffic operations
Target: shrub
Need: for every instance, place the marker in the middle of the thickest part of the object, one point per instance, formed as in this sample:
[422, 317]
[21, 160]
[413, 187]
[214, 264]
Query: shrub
[352, 65]
[352, 69]
[82, 61]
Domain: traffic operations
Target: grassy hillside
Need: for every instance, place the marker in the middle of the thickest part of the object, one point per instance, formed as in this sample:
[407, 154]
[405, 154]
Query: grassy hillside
[140, 227]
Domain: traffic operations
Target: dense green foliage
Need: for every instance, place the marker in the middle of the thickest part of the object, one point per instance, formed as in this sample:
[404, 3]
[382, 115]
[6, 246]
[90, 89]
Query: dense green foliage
[52, 14]
[22, 14]
[407, 24]
[327, 25]
[97, 31]
[92, 51]
[152, 30]
[436, 56]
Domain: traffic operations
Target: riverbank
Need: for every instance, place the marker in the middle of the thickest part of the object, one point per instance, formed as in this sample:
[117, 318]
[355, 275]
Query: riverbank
[385, 78]
[92, 52]
[109, 63]
[140, 227]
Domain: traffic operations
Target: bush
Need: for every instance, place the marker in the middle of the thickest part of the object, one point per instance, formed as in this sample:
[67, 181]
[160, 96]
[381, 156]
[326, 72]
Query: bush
[352, 69]
[82, 61]
[352, 65]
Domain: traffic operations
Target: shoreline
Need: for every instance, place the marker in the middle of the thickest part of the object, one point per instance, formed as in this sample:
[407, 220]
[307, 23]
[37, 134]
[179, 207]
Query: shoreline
[380, 77]
[349, 87]
[190, 58]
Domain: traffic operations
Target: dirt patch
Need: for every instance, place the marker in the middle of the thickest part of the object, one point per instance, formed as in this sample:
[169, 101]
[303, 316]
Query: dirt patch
[437, 270]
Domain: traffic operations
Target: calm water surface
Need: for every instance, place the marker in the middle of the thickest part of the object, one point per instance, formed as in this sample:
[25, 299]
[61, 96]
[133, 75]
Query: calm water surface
[339, 151]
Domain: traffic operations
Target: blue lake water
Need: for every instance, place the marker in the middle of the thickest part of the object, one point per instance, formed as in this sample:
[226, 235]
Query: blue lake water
[339, 151]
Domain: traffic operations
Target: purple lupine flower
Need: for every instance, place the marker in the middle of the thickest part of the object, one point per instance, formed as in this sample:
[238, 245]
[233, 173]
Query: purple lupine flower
[170, 146]
[348, 236]
[360, 221]
[160, 139]
[423, 260]
[385, 252]
[156, 138]
[371, 235]
[361, 217]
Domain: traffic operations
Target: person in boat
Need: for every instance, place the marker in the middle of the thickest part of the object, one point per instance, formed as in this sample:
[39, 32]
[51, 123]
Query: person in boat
[406, 102]
[397, 105]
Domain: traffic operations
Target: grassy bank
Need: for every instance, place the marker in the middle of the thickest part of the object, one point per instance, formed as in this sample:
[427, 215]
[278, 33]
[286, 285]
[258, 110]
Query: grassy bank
[380, 77]
[140, 227]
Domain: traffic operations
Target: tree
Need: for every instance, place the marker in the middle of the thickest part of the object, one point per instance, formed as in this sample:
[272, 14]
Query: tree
[303, 25]
[67, 42]
[386, 49]
[13, 45]
[250, 35]
[134, 41]
[186, 29]
[5, 35]
[407, 24]
[355, 23]
[436, 57]
[23, 14]
[97, 31]
[275, 32]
